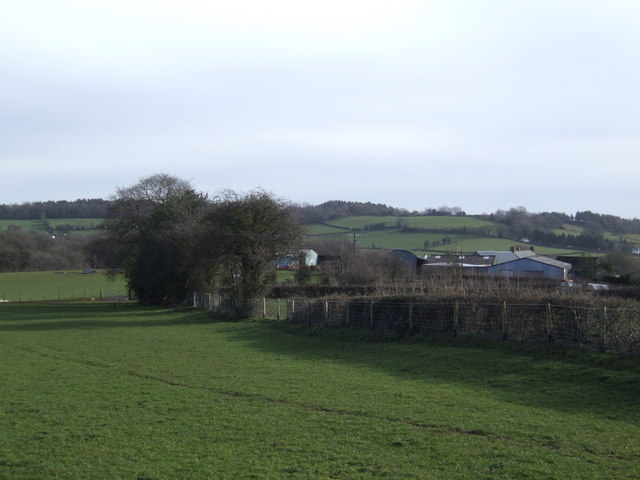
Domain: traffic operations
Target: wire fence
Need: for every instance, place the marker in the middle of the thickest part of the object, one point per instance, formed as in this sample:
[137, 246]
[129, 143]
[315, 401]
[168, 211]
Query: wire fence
[73, 295]
[272, 308]
[600, 328]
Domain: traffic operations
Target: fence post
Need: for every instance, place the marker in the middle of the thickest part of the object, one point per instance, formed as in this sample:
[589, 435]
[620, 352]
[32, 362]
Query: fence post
[503, 320]
[195, 304]
[277, 309]
[326, 313]
[456, 313]
[410, 318]
[348, 317]
[603, 329]
[549, 326]
[371, 315]
[264, 307]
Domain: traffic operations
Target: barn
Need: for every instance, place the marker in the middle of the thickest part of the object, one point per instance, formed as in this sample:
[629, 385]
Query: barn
[409, 258]
[526, 263]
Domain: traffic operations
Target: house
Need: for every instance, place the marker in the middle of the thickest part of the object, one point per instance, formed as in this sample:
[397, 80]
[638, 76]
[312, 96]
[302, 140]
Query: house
[308, 258]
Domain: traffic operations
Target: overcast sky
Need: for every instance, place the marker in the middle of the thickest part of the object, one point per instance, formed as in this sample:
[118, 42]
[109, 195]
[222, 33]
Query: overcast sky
[484, 105]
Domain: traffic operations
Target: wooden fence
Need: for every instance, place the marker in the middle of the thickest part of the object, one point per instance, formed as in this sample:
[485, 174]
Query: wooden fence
[604, 329]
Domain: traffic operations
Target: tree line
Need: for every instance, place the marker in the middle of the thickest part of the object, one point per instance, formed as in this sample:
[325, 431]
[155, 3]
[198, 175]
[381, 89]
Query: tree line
[24, 251]
[81, 208]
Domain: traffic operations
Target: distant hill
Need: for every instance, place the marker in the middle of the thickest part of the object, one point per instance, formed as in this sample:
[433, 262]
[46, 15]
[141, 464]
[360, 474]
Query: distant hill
[467, 234]
[381, 226]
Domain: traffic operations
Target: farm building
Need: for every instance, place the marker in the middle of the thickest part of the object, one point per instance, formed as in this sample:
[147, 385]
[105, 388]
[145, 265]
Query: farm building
[512, 263]
[307, 258]
[526, 263]
[411, 259]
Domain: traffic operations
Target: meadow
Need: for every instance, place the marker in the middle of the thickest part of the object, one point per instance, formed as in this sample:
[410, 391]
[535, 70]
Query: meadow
[431, 222]
[81, 226]
[115, 390]
[441, 234]
[59, 285]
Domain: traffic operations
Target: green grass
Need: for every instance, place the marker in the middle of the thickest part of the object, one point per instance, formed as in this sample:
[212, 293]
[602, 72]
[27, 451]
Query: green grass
[77, 222]
[500, 244]
[85, 225]
[25, 225]
[319, 229]
[119, 391]
[67, 285]
[444, 222]
[393, 238]
[576, 230]
[569, 229]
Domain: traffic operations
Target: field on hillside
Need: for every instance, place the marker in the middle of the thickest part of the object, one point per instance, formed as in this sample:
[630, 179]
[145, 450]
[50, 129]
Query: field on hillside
[435, 222]
[23, 225]
[394, 238]
[384, 233]
[80, 225]
[102, 390]
[451, 233]
[65, 285]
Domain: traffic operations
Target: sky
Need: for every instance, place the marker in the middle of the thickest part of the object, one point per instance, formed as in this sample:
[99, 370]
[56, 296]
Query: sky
[483, 105]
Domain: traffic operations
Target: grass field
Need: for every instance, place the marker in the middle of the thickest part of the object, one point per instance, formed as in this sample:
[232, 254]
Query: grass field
[84, 225]
[394, 238]
[320, 229]
[435, 222]
[106, 391]
[24, 225]
[66, 285]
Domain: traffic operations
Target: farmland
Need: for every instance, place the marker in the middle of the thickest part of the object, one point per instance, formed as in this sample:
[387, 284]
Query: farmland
[66, 285]
[120, 391]
[432, 222]
[420, 234]
[426, 234]
[82, 226]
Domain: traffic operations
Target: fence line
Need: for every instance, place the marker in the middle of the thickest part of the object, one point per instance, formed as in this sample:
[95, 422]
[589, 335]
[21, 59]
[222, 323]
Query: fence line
[599, 328]
[272, 308]
[84, 294]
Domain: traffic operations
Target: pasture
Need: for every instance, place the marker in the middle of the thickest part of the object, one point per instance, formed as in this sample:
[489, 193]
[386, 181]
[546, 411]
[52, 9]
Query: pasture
[23, 225]
[79, 226]
[108, 390]
[431, 222]
[59, 285]
[449, 233]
